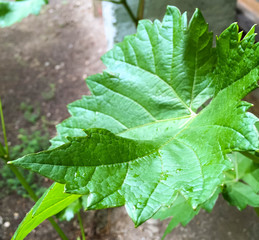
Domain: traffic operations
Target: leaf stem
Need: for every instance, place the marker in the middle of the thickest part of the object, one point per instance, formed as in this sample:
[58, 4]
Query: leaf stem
[23, 182]
[57, 228]
[3, 127]
[140, 14]
[21, 178]
[81, 225]
[115, 2]
[133, 18]
[126, 6]
[236, 166]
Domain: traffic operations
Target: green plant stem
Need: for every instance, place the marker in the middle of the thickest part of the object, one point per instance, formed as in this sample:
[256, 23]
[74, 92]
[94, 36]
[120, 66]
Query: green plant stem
[3, 127]
[115, 2]
[140, 14]
[126, 6]
[24, 183]
[251, 156]
[57, 228]
[81, 225]
[133, 18]
[21, 178]
[236, 166]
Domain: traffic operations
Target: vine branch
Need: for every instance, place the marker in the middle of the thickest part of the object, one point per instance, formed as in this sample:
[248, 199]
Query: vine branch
[126, 6]
[133, 18]
[140, 14]
[81, 225]
[251, 156]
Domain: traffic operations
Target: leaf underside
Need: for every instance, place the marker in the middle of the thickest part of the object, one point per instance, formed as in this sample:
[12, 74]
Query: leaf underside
[144, 138]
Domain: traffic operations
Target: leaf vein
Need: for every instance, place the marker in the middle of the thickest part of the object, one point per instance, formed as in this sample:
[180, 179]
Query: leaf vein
[101, 113]
[129, 99]
[159, 78]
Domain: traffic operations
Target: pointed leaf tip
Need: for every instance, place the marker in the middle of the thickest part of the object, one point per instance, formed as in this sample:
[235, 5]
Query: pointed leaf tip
[251, 32]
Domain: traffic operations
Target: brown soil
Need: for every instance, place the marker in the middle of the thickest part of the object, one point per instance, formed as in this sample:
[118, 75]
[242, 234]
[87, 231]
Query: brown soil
[62, 46]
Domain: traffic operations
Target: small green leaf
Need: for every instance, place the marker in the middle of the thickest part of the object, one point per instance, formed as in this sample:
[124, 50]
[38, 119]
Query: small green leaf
[242, 185]
[181, 211]
[241, 195]
[53, 201]
[252, 179]
[69, 212]
[257, 211]
[12, 12]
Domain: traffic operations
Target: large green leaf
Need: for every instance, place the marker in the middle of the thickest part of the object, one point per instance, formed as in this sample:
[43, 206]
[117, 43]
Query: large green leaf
[53, 201]
[156, 142]
[14, 11]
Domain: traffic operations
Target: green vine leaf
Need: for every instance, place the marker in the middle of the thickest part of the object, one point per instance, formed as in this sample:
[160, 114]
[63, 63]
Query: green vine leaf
[149, 135]
[14, 11]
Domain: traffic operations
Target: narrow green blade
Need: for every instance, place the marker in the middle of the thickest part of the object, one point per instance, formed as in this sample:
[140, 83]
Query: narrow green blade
[53, 201]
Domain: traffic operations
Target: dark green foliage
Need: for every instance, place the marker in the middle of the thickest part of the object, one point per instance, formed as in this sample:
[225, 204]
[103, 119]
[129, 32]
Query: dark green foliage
[14, 11]
[4, 8]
